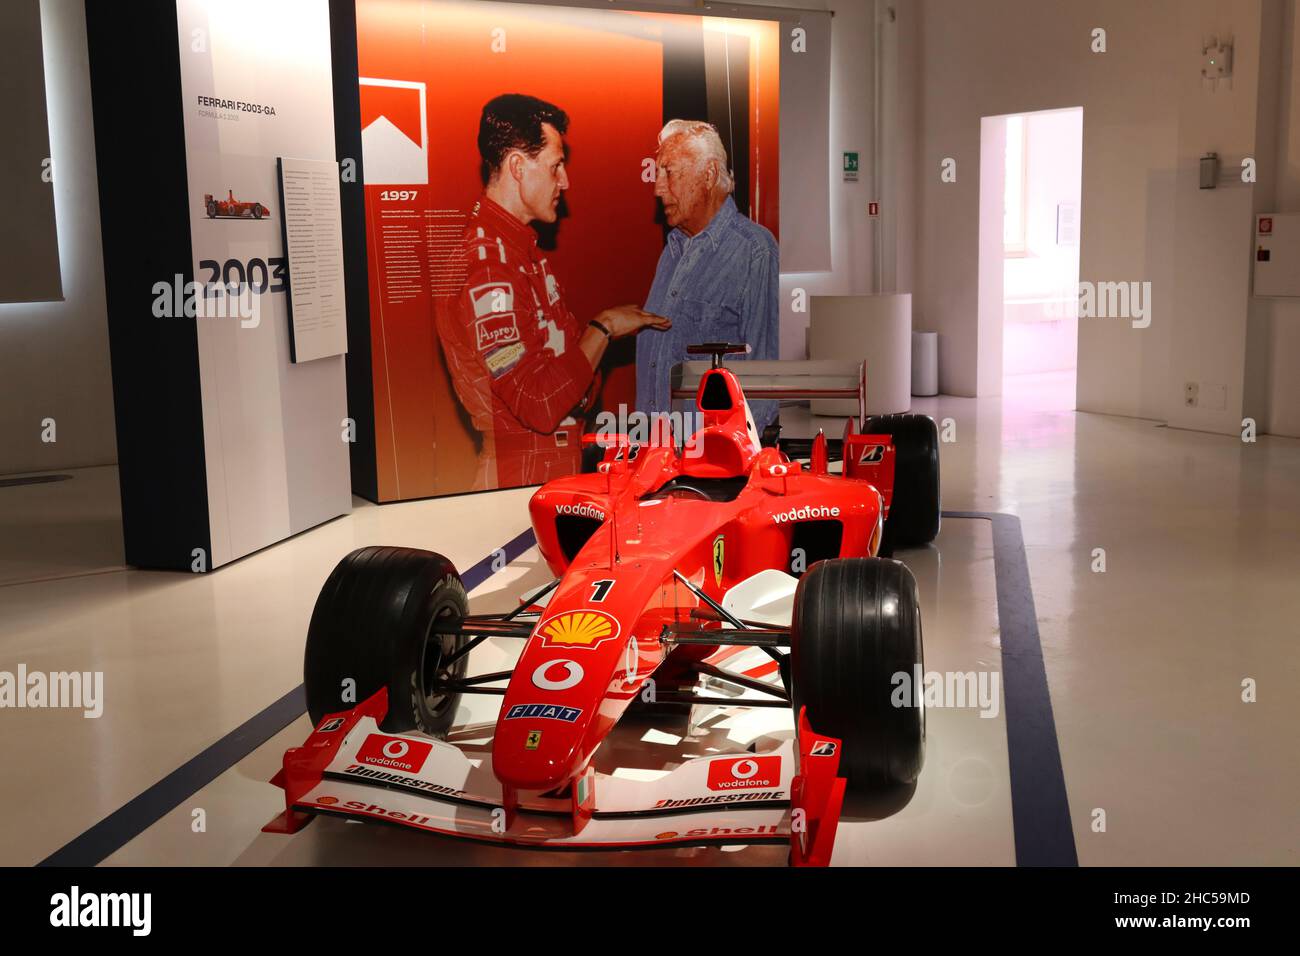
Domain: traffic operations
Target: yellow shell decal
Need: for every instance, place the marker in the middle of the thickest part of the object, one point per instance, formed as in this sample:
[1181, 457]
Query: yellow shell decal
[578, 629]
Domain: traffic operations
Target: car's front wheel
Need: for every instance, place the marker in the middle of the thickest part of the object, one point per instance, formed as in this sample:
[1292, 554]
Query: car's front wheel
[378, 623]
[855, 655]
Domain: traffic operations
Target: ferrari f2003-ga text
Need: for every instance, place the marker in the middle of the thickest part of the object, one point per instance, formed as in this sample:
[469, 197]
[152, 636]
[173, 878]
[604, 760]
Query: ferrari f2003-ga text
[671, 563]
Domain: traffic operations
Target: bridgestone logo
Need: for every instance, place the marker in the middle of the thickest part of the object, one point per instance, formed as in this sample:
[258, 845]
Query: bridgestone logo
[749, 796]
[405, 783]
[580, 511]
[811, 511]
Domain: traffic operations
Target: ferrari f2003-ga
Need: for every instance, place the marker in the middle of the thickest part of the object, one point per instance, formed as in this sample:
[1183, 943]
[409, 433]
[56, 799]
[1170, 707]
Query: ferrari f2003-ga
[713, 574]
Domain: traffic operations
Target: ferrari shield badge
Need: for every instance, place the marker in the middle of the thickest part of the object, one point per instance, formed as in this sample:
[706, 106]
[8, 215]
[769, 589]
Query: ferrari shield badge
[533, 740]
[719, 544]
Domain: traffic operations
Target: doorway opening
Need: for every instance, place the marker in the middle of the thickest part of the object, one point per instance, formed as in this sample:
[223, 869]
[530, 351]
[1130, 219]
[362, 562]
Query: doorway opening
[1042, 169]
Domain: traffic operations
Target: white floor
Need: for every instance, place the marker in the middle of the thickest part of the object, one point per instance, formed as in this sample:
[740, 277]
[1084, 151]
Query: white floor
[1145, 661]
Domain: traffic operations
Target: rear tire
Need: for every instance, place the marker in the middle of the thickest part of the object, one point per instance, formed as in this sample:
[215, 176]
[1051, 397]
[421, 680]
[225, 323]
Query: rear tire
[915, 510]
[372, 625]
[257, 212]
[856, 624]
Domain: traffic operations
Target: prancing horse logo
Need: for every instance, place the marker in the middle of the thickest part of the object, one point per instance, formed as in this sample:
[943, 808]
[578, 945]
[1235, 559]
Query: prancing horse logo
[719, 544]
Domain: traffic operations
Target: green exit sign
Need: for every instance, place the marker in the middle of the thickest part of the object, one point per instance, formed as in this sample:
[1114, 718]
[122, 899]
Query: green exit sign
[850, 167]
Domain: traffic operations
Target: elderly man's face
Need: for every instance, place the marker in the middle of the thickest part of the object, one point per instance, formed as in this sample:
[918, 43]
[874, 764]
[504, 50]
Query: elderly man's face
[683, 183]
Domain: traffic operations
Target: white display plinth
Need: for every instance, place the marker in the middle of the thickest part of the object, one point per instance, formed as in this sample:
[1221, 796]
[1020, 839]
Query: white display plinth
[874, 328]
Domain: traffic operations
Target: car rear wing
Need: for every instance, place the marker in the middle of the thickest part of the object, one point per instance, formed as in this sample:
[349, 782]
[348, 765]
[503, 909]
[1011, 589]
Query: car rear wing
[866, 456]
[783, 381]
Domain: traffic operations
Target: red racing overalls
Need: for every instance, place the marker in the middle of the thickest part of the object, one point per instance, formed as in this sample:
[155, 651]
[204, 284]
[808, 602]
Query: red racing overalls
[512, 350]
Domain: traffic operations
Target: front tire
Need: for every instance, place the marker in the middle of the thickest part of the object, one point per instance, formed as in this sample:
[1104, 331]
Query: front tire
[856, 625]
[915, 510]
[373, 625]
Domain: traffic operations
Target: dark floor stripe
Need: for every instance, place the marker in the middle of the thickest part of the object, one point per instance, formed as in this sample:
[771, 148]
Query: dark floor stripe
[122, 826]
[508, 552]
[125, 824]
[1040, 806]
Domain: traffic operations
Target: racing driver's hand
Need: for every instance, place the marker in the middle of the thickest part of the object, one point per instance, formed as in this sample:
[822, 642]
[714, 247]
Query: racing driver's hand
[624, 320]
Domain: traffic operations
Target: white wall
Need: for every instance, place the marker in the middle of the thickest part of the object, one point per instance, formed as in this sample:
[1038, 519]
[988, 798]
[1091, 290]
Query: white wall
[54, 355]
[989, 297]
[1273, 347]
[851, 129]
[1147, 119]
[997, 57]
[1214, 228]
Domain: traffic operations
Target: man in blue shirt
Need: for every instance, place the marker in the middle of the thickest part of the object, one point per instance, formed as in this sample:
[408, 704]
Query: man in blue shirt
[718, 275]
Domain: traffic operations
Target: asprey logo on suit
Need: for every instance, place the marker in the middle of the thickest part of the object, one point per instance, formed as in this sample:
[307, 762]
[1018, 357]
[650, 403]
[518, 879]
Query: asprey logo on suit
[396, 753]
[744, 773]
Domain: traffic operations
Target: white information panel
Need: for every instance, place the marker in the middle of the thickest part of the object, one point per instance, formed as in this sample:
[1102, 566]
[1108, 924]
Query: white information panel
[313, 241]
[256, 84]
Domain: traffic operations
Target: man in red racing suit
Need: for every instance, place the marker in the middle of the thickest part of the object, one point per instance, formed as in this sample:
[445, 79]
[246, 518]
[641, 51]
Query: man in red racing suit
[521, 363]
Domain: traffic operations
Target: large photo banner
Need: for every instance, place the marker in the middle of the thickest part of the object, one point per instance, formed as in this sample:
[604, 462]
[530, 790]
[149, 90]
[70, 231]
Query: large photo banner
[558, 201]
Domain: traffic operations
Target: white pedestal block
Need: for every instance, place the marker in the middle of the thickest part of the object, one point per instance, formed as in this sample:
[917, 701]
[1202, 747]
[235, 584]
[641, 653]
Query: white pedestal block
[875, 328]
[925, 363]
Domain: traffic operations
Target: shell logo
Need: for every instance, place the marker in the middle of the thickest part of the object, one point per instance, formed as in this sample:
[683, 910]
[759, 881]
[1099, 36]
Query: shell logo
[578, 629]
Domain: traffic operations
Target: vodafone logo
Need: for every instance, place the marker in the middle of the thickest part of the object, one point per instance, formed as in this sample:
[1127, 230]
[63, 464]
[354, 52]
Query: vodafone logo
[811, 511]
[558, 675]
[728, 773]
[580, 511]
[396, 753]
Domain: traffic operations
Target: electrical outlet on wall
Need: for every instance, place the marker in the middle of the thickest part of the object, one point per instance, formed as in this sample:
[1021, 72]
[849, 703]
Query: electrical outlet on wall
[1191, 394]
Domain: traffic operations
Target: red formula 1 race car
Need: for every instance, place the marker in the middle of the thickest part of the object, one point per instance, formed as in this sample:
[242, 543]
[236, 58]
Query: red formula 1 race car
[232, 208]
[671, 562]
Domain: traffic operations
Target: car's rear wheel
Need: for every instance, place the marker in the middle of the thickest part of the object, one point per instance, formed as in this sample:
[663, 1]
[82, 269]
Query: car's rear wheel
[857, 626]
[257, 212]
[211, 209]
[376, 625]
[914, 512]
